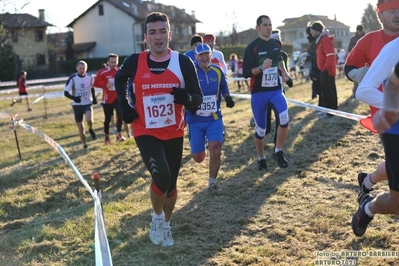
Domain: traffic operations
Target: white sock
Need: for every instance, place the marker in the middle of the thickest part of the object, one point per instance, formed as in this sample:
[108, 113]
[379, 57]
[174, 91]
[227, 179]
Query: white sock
[367, 209]
[367, 182]
[166, 225]
[211, 181]
[276, 150]
[260, 158]
[158, 216]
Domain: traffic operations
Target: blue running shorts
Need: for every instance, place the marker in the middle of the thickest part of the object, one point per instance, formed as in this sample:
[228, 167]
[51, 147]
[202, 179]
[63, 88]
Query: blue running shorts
[202, 131]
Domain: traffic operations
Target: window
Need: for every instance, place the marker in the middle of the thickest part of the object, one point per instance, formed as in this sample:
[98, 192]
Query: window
[100, 10]
[41, 59]
[14, 35]
[39, 36]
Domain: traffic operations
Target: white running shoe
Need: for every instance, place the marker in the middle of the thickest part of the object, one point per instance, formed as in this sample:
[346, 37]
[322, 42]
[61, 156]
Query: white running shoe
[168, 239]
[156, 231]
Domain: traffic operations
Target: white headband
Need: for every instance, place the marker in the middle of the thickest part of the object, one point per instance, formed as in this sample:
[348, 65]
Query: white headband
[275, 35]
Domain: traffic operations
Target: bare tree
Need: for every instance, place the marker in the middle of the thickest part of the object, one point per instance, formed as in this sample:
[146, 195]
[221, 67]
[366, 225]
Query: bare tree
[7, 6]
[234, 34]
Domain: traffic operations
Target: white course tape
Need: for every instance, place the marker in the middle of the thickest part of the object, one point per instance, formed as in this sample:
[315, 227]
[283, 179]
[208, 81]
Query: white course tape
[242, 96]
[41, 96]
[327, 110]
[38, 99]
[34, 81]
[20, 97]
[8, 91]
[311, 106]
[4, 115]
[37, 87]
[50, 95]
[238, 79]
[102, 250]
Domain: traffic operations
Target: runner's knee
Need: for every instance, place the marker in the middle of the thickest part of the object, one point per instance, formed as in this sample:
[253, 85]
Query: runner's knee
[199, 157]
[172, 192]
[284, 119]
[160, 182]
[215, 147]
[260, 132]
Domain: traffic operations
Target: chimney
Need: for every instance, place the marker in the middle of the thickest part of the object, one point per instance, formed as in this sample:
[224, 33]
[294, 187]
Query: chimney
[41, 14]
[193, 13]
[134, 9]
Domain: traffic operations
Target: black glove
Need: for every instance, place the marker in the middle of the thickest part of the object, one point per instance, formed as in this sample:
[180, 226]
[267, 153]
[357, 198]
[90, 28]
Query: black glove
[289, 82]
[94, 100]
[76, 99]
[128, 113]
[229, 102]
[181, 96]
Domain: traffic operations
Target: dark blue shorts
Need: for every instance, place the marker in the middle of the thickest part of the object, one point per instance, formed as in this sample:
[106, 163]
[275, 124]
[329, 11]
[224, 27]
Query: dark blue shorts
[80, 110]
[261, 101]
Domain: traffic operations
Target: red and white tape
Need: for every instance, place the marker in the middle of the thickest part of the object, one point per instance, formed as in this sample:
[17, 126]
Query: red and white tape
[313, 107]
[102, 249]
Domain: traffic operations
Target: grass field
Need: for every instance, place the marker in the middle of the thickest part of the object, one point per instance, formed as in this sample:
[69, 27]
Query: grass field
[292, 216]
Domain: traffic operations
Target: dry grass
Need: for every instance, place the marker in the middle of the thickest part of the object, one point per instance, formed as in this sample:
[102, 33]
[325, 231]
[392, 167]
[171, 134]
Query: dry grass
[277, 217]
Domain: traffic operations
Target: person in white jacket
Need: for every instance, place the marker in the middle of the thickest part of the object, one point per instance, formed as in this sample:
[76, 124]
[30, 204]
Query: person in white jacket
[368, 92]
[217, 56]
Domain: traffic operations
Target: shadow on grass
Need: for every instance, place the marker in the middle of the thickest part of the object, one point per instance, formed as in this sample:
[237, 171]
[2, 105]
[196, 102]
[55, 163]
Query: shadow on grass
[56, 209]
[212, 221]
[209, 222]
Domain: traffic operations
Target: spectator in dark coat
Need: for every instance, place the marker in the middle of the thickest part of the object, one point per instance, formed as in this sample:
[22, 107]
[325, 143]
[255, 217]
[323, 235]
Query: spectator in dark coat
[359, 34]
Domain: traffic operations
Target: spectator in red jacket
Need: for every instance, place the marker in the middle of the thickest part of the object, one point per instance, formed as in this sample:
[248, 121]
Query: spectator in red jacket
[326, 63]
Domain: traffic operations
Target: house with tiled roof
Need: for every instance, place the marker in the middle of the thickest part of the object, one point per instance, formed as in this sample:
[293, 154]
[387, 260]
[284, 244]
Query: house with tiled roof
[118, 27]
[27, 35]
[293, 32]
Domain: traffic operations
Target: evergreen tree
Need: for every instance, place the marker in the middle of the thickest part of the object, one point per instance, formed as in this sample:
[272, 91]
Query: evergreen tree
[370, 20]
[69, 53]
[7, 58]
